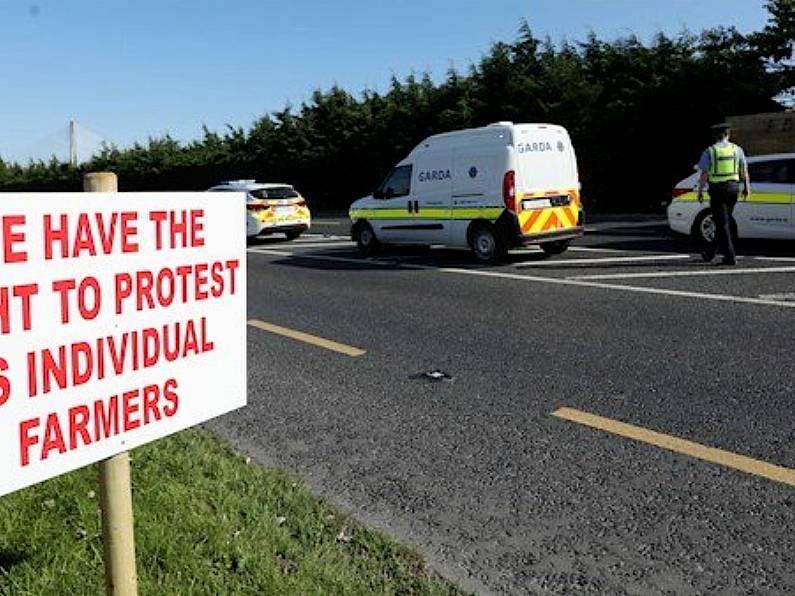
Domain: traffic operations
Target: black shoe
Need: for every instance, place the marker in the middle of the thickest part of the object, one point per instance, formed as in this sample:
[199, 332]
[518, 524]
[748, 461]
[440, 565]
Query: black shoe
[728, 261]
[708, 255]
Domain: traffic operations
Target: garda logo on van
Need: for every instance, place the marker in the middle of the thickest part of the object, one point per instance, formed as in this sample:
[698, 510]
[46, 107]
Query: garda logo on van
[434, 175]
[535, 147]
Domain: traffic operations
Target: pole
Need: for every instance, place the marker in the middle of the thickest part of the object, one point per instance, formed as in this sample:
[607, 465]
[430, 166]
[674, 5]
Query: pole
[73, 143]
[115, 488]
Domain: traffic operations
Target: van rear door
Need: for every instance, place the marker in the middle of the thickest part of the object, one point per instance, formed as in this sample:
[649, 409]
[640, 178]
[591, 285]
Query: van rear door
[547, 183]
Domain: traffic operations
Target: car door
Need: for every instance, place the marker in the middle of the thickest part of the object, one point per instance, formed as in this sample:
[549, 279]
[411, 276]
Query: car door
[393, 207]
[768, 213]
[431, 192]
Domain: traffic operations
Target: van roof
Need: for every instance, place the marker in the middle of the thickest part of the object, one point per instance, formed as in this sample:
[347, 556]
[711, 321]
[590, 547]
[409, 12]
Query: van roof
[501, 129]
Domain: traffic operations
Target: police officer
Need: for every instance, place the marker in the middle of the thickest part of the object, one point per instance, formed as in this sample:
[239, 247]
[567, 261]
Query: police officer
[723, 164]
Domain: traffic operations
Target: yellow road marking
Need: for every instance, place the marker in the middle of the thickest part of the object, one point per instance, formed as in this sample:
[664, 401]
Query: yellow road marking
[307, 338]
[710, 454]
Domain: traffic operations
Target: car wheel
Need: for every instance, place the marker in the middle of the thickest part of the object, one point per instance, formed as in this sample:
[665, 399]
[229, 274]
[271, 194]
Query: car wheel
[485, 244]
[366, 241]
[556, 247]
[703, 231]
[292, 235]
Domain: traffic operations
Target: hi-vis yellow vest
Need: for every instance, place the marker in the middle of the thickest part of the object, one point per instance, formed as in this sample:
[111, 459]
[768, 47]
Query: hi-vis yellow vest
[725, 163]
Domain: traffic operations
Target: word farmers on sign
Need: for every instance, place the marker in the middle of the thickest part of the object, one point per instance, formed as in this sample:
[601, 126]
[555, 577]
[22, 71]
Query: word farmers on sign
[122, 320]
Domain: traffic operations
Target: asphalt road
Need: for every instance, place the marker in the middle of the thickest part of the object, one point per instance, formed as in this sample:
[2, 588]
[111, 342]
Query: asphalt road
[475, 471]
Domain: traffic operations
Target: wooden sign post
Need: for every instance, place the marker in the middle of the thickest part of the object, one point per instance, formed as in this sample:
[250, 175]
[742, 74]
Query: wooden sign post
[115, 488]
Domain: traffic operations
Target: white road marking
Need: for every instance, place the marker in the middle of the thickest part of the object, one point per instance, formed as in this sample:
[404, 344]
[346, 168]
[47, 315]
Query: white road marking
[323, 244]
[313, 237]
[618, 225]
[618, 287]
[777, 259]
[564, 262]
[784, 296]
[703, 272]
[543, 280]
[595, 249]
[316, 257]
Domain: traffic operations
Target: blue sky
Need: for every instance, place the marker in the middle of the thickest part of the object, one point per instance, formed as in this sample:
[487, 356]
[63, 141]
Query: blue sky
[128, 70]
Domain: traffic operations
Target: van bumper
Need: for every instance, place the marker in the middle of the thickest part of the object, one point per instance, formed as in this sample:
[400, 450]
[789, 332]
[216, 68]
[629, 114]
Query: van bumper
[567, 234]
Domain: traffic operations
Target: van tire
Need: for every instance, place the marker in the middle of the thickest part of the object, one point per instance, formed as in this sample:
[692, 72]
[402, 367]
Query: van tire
[555, 248]
[292, 235]
[486, 244]
[366, 242]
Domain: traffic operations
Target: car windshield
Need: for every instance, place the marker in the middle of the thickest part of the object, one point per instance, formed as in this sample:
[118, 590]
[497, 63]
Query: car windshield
[278, 192]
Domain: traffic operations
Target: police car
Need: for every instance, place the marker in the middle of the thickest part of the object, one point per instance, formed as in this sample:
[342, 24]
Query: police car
[270, 208]
[767, 214]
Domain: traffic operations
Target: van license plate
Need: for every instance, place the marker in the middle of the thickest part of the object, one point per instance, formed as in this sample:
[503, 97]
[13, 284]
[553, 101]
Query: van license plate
[536, 204]
[283, 210]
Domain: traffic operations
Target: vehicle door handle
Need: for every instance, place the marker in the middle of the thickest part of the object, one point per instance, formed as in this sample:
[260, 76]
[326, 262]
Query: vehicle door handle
[416, 207]
[410, 207]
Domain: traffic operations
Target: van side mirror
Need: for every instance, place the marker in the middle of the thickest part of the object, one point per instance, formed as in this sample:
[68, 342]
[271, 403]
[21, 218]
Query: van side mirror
[378, 194]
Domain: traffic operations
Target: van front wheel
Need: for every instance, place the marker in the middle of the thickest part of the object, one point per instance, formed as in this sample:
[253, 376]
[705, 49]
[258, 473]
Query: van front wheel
[485, 244]
[366, 242]
[555, 248]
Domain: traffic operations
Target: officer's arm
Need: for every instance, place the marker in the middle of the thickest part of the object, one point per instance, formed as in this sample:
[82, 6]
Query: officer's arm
[702, 182]
[746, 181]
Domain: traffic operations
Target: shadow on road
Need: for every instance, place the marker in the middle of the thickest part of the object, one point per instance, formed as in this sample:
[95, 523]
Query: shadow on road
[627, 240]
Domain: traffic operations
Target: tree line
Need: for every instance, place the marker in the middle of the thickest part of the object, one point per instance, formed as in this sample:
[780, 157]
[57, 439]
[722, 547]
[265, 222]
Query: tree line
[638, 114]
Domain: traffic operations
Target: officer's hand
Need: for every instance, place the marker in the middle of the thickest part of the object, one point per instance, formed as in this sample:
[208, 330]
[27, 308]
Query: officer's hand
[700, 197]
[746, 194]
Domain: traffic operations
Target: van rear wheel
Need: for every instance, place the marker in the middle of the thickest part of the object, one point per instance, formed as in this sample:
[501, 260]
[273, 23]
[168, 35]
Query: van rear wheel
[486, 244]
[555, 248]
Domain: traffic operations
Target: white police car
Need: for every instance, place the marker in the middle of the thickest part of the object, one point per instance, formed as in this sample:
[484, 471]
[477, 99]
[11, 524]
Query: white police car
[767, 214]
[270, 208]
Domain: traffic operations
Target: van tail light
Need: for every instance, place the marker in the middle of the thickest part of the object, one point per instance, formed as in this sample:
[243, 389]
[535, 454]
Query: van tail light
[678, 192]
[509, 190]
[301, 203]
[257, 207]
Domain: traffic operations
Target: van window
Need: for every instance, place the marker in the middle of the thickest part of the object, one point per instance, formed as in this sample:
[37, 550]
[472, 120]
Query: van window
[396, 184]
[773, 171]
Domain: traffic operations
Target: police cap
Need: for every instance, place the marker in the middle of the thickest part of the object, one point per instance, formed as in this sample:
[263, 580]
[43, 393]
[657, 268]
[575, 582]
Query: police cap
[720, 128]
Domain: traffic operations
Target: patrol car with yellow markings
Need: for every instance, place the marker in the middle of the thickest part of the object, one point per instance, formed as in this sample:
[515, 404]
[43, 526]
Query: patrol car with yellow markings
[489, 189]
[271, 208]
[767, 214]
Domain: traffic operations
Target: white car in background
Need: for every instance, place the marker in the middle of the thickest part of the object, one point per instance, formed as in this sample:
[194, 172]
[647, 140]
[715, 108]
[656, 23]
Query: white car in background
[768, 213]
[270, 208]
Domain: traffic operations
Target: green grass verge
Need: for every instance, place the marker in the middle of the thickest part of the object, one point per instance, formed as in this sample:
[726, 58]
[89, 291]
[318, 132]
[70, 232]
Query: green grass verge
[206, 523]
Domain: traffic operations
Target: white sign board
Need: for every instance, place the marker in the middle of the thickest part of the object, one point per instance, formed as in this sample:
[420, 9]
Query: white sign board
[122, 320]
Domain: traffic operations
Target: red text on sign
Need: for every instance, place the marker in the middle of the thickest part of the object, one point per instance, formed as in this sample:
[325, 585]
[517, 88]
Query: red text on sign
[89, 297]
[178, 229]
[22, 293]
[75, 364]
[90, 234]
[5, 382]
[12, 237]
[147, 290]
[83, 425]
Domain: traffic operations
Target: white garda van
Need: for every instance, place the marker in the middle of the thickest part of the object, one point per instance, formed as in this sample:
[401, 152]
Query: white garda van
[489, 189]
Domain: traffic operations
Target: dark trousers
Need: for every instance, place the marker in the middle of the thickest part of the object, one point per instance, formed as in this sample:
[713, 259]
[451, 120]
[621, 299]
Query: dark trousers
[722, 199]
